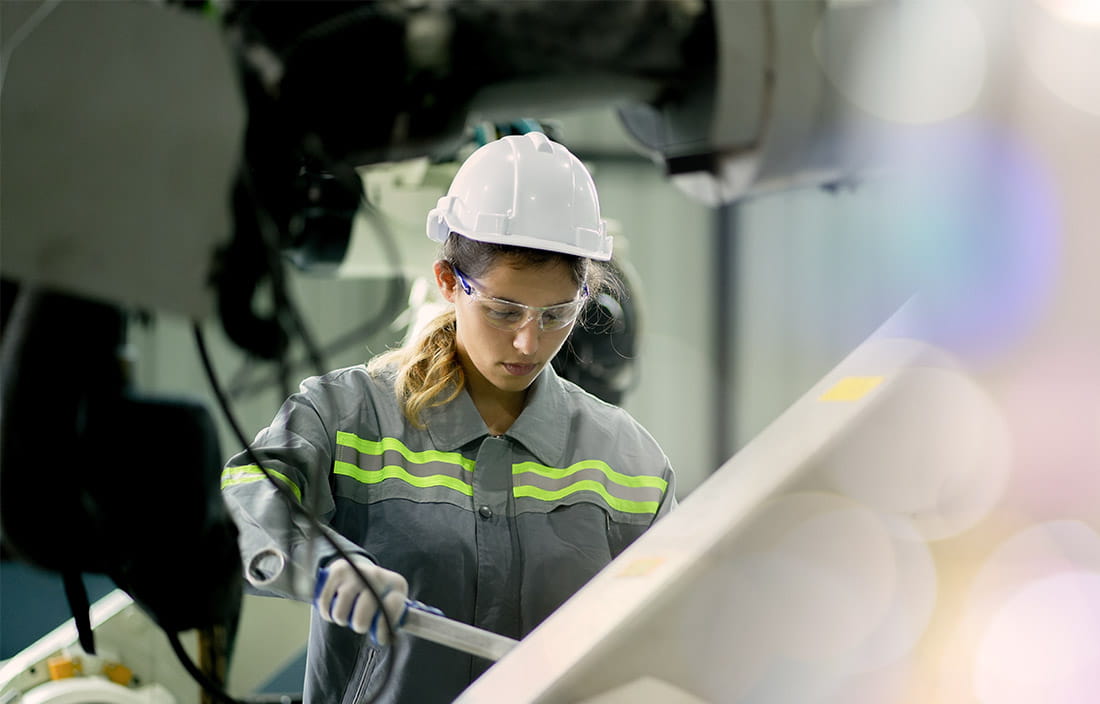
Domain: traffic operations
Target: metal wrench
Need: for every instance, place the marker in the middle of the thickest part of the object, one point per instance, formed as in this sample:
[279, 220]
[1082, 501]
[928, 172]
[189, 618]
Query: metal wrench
[429, 623]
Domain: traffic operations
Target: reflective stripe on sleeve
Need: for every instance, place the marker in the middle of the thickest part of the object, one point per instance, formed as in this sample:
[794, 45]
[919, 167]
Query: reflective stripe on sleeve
[246, 474]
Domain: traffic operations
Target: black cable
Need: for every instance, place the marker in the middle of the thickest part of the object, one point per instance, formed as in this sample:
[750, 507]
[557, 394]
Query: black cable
[314, 353]
[286, 313]
[287, 494]
[77, 595]
[209, 686]
[291, 319]
[396, 294]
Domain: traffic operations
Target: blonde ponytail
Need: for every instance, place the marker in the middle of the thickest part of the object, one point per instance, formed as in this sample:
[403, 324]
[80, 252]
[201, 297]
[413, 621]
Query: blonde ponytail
[428, 371]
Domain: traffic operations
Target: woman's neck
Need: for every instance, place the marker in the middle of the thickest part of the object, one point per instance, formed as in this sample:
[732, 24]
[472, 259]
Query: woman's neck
[499, 409]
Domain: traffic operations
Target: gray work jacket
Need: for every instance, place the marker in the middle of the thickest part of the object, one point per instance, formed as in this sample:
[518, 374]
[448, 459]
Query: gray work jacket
[497, 531]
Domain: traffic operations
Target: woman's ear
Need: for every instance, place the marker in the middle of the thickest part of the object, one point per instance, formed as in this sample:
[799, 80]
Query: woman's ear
[445, 279]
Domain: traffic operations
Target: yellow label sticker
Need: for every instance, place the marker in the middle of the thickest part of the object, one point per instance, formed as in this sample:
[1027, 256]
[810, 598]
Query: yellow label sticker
[641, 567]
[851, 388]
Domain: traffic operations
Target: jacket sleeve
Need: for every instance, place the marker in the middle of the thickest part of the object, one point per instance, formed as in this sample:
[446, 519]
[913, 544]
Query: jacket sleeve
[281, 549]
[622, 535]
[668, 500]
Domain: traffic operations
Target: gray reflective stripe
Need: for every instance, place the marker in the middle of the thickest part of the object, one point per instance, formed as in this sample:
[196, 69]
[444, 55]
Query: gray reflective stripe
[232, 476]
[591, 480]
[387, 468]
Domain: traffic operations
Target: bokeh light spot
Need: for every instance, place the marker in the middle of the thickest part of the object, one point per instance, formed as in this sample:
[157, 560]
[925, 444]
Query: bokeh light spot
[914, 61]
[1043, 645]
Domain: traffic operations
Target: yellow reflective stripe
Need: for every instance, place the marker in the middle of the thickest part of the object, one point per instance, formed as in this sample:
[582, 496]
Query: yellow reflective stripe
[614, 502]
[377, 447]
[617, 477]
[246, 474]
[390, 471]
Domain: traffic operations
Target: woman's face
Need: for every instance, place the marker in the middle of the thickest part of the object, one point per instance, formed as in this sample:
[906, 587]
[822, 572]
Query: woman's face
[503, 360]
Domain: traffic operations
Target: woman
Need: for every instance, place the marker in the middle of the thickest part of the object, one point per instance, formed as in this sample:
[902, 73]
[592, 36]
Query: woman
[459, 470]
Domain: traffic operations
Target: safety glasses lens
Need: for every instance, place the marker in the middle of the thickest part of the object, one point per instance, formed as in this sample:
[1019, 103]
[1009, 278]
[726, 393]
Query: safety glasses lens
[508, 316]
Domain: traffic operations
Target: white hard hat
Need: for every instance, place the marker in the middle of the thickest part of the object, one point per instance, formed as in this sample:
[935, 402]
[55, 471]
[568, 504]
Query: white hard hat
[527, 191]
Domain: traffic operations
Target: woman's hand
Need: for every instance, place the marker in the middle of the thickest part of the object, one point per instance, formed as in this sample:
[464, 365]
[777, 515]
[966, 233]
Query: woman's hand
[341, 597]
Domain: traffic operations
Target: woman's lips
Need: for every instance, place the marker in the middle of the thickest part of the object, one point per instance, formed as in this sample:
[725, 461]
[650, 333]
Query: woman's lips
[519, 369]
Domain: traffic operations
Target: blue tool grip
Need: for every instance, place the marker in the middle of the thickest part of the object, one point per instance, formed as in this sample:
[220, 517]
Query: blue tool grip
[419, 606]
[322, 577]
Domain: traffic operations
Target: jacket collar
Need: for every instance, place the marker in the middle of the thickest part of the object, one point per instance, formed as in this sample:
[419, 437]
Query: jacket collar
[542, 427]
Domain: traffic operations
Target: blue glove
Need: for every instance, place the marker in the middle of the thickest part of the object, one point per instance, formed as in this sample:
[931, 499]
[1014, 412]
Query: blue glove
[340, 597]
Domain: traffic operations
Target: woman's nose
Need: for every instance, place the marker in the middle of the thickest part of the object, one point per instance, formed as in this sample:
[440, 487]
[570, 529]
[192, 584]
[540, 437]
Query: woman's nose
[526, 339]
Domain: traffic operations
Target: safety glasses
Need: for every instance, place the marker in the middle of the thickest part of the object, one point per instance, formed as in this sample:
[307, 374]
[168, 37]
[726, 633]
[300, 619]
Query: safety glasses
[509, 315]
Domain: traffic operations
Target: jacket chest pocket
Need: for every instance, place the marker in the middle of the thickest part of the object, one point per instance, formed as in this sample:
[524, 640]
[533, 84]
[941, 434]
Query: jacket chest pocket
[562, 550]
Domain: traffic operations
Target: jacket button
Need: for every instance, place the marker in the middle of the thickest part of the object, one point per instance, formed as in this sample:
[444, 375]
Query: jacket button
[485, 512]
